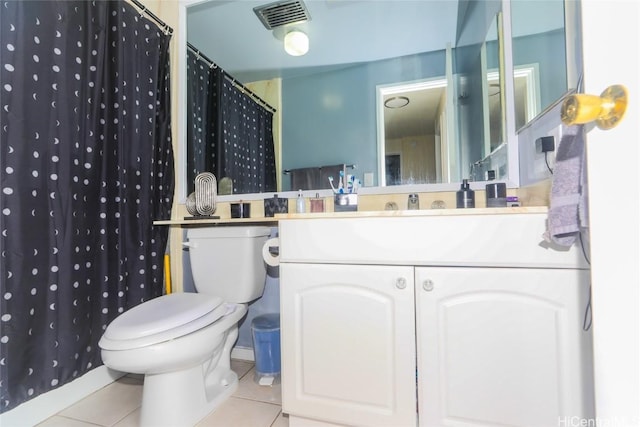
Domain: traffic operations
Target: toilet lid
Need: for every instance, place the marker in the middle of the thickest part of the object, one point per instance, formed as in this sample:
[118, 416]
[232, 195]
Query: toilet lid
[161, 319]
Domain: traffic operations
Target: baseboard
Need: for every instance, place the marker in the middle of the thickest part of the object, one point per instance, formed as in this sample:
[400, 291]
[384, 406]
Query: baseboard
[50, 403]
[243, 353]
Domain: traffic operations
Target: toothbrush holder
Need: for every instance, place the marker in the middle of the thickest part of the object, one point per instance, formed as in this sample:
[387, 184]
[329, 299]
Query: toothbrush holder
[345, 202]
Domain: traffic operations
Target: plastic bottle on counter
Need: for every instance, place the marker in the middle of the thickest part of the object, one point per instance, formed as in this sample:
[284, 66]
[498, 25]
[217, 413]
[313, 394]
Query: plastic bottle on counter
[300, 202]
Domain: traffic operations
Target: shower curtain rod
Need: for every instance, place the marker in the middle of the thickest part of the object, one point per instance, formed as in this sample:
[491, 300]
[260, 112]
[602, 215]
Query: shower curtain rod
[229, 77]
[288, 171]
[145, 11]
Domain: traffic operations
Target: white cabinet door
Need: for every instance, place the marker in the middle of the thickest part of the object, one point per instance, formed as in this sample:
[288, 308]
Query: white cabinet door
[348, 343]
[502, 347]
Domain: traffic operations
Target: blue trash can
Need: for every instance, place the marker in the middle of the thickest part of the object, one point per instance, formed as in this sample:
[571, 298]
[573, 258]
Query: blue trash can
[265, 330]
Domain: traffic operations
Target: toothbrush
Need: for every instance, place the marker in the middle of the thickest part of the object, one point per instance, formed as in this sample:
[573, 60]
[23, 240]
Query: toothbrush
[335, 191]
[350, 183]
[340, 185]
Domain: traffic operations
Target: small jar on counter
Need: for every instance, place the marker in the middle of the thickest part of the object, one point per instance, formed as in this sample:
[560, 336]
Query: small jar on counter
[413, 202]
[316, 204]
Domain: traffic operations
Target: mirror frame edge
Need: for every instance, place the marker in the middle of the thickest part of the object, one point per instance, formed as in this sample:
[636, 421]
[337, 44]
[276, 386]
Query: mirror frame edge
[511, 136]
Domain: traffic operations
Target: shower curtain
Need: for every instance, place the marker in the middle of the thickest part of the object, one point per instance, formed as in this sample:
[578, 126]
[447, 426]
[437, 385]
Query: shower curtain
[201, 155]
[229, 133]
[86, 166]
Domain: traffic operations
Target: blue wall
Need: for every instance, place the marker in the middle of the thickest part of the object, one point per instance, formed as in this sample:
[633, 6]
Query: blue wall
[548, 51]
[330, 117]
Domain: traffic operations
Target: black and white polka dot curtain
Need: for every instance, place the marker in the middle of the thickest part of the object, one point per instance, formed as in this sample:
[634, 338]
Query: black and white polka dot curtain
[245, 140]
[229, 133]
[86, 166]
[201, 153]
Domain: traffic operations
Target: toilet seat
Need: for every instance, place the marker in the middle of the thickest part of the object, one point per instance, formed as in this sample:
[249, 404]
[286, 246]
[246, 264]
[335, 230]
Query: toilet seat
[162, 319]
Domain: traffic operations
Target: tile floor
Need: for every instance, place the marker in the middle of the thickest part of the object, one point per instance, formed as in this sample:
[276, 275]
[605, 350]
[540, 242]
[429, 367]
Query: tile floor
[118, 405]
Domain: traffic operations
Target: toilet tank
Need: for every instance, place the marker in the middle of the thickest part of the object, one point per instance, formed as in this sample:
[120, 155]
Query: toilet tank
[226, 261]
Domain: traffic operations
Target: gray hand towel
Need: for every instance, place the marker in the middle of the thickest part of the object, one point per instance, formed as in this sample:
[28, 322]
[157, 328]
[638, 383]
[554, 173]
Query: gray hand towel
[568, 202]
[315, 178]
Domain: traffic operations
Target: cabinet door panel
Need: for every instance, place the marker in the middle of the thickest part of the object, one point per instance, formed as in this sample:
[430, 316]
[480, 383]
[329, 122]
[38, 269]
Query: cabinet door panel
[348, 346]
[502, 346]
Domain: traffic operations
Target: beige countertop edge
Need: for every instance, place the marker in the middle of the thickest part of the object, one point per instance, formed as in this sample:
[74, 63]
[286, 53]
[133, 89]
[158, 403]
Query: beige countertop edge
[363, 214]
[416, 213]
[227, 221]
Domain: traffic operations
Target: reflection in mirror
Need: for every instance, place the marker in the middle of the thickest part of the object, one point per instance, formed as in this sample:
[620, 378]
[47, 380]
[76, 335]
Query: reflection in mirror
[493, 96]
[328, 109]
[480, 84]
[494, 132]
[412, 132]
[418, 145]
[229, 129]
[539, 56]
[526, 80]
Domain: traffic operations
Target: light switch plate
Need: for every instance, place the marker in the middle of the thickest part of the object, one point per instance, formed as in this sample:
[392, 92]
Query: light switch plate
[368, 179]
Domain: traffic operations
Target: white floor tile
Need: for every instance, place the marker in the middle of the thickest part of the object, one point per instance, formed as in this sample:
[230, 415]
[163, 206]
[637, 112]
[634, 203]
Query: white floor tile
[281, 421]
[238, 412]
[249, 389]
[241, 367]
[59, 421]
[108, 405]
[118, 405]
[131, 420]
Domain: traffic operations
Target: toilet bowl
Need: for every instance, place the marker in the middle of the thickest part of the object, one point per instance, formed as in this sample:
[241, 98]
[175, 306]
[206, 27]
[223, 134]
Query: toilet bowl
[182, 342]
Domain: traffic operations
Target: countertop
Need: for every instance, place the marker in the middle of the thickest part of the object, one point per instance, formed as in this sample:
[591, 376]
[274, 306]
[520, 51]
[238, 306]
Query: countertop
[358, 214]
[416, 213]
[225, 221]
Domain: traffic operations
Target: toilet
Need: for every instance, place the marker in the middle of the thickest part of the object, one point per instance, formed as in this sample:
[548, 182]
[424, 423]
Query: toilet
[182, 342]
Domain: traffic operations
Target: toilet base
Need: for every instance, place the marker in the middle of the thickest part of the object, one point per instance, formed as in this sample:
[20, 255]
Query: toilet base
[163, 406]
[182, 398]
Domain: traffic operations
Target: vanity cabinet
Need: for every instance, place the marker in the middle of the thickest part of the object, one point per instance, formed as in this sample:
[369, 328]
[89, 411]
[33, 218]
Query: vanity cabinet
[502, 346]
[348, 340]
[387, 327]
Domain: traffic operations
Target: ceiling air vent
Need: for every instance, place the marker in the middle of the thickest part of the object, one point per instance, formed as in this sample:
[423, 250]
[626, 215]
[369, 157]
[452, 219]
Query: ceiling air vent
[281, 13]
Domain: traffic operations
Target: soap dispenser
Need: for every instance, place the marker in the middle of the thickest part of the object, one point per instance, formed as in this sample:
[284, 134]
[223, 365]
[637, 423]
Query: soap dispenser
[465, 197]
[300, 202]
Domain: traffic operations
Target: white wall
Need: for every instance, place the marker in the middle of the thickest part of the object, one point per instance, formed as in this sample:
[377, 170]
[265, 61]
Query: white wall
[611, 44]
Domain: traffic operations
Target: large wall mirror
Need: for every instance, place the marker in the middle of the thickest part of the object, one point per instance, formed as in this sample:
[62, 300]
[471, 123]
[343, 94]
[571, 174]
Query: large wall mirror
[329, 107]
[329, 96]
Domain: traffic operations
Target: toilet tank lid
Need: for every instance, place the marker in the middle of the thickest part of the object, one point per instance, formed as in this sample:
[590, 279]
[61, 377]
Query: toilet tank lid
[227, 231]
[162, 314]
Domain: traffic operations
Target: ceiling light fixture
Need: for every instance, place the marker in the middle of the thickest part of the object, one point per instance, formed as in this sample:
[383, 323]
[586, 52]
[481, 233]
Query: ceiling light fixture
[396, 102]
[296, 43]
